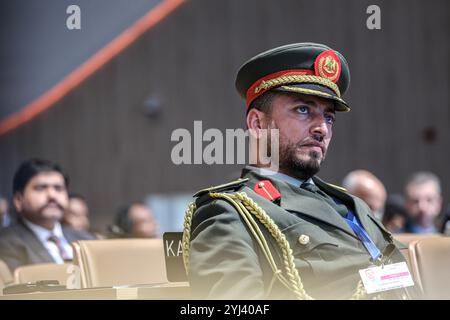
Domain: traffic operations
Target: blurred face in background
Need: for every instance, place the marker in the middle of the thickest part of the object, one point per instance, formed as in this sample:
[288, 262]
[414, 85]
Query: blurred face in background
[143, 222]
[3, 207]
[43, 200]
[77, 214]
[374, 197]
[423, 202]
[396, 224]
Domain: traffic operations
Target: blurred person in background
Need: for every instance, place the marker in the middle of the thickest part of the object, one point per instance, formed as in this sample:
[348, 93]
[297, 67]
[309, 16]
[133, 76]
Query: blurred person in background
[40, 199]
[5, 218]
[395, 217]
[364, 185]
[77, 214]
[134, 221]
[423, 201]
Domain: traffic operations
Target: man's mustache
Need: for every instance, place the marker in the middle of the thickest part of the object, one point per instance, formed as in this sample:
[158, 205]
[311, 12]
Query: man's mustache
[313, 141]
[51, 203]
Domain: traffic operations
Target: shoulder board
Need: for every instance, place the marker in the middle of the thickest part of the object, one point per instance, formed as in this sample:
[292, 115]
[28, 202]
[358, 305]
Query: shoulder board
[226, 186]
[337, 187]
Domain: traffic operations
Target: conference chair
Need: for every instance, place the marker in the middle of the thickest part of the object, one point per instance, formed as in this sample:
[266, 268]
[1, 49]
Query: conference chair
[117, 262]
[43, 271]
[430, 260]
[5, 275]
[407, 238]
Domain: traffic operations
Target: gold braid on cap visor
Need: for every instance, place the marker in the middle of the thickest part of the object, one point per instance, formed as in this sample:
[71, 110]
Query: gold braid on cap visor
[276, 82]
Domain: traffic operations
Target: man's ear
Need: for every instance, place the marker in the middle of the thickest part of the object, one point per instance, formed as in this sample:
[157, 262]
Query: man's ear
[18, 201]
[256, 120]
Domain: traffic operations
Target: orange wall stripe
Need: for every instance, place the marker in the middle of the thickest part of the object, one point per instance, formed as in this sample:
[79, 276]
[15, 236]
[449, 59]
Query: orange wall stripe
[48, 99]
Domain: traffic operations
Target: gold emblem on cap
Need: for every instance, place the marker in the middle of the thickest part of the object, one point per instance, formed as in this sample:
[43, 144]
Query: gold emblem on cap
[328, 67]
[303, 239]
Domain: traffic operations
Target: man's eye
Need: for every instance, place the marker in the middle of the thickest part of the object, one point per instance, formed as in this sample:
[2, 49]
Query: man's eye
[330, 119]
[302, 110]
[60, 188]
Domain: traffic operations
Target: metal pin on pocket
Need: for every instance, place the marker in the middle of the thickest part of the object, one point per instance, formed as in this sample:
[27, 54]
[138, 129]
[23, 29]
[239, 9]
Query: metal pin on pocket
[303, 239]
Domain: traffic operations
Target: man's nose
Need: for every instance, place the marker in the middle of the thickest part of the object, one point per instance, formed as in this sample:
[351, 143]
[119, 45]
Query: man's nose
[320, 126]
[422, 206]
[51, 194]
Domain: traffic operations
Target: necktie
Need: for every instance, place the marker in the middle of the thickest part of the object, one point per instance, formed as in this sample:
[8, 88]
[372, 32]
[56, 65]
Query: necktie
[340, 208]
[62, 252]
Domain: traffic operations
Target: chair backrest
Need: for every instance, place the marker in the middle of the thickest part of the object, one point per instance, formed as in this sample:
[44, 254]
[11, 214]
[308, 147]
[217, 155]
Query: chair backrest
[114, 262]
[430, 260]
[42, 271]
[5, 275]
[407, 238]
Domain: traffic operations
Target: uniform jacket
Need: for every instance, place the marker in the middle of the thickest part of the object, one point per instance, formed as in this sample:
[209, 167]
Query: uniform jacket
[20, 246]
[225, 262]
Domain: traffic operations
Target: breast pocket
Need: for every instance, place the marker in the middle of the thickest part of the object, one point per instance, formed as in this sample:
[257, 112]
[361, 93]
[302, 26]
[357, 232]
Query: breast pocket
[311, 243]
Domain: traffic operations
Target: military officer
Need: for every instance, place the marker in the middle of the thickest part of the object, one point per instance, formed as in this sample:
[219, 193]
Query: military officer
[287, 234]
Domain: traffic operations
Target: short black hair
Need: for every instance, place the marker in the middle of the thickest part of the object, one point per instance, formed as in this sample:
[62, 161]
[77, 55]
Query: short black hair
[29, 168]
[122, 221]
[123, 226]
[264, 102]
[393, 207]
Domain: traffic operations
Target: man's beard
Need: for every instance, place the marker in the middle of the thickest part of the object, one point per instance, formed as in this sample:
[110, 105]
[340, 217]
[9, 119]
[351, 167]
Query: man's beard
[298, 168]
[288, 161]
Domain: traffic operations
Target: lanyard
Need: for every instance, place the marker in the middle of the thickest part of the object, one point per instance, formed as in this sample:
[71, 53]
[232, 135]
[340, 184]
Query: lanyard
[374, 252]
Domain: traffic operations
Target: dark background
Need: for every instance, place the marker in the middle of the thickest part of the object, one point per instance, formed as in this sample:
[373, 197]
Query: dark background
[117, 151]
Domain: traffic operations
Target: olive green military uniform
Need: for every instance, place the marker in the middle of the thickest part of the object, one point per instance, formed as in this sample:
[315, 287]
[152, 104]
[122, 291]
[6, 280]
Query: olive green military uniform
[225, 261]
[238, 243]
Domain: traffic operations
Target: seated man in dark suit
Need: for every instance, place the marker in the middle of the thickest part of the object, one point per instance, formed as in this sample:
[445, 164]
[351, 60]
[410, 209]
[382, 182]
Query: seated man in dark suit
[40, 198]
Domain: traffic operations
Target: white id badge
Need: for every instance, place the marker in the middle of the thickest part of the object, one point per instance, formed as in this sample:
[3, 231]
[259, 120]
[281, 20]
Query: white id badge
[387, 277]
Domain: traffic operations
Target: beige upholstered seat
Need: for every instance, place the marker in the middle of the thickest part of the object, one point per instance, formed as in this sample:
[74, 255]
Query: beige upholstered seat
[105, 263]
[406, 239]
[430, 260]
[43, 271]
[5, 275]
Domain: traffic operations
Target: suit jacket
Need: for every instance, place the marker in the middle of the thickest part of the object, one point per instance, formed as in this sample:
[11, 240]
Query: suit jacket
[20, 246]
[225, 261]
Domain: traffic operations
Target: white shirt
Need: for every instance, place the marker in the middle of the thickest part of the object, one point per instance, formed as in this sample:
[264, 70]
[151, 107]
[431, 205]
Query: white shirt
[43, 234]
[279, 176]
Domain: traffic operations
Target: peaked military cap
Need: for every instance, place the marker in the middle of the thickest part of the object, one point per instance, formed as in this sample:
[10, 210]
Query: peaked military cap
[306, 68]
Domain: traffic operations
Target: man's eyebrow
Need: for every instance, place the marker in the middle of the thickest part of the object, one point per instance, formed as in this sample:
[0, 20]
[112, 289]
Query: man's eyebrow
[49, 184]
[305, 101]
[41, 184]
[329, 108]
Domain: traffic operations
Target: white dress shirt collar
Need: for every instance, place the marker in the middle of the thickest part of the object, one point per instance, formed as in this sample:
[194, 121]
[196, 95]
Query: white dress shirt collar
[43, 233]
